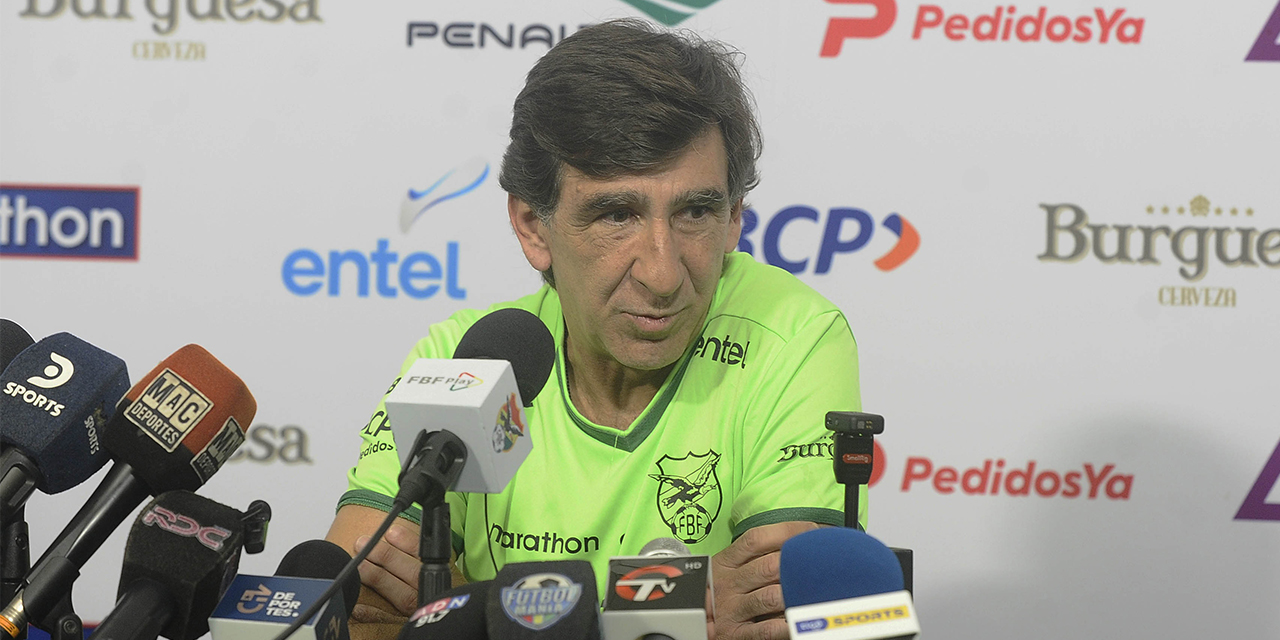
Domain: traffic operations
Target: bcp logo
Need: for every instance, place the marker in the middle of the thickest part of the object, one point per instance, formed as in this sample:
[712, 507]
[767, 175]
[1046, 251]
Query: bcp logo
[54, 221]
[843, 230]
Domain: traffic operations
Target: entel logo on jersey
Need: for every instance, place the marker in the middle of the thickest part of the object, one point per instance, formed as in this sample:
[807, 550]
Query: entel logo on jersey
[419, 275]
[1004, 23]
[647, 583]
[832, 240]
[55, 221]
[186, 527]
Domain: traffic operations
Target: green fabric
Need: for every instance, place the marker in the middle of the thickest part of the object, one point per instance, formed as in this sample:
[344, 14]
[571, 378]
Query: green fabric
[713, 455]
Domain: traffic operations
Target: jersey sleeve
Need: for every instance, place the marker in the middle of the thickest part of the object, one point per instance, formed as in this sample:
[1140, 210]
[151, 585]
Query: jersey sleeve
[373, 481]
[787, 472]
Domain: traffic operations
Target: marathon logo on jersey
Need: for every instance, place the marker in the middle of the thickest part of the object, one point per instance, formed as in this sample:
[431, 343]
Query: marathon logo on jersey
[185, 526]
[509, 426]
[540, 600]
[207, 461]
[98, 223]
[723, 350]
[436, 611]
[168, 409]
[689, 495]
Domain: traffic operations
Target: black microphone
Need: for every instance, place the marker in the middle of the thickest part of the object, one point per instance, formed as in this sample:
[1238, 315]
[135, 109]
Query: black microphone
[456, 614]
[660, 594]
[181, 551]
[260, 607]
[172, 430]
[544, 600]
[13, 339]
[56, 398]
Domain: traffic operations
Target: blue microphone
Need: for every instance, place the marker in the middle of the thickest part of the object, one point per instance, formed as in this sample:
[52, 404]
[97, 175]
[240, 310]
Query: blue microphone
[842, 584]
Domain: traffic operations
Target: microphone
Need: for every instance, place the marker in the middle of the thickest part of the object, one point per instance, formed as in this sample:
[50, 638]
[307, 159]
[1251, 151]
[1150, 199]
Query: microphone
[57, 396]
[181, 550]
[544, 600]
[172, 430]
[661, 594]
[259, 607]
[498, 368]
[842, 584]
[458, 614]
[13, 339]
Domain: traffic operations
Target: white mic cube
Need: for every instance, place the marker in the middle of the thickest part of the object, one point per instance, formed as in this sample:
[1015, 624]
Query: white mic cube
[476, 400]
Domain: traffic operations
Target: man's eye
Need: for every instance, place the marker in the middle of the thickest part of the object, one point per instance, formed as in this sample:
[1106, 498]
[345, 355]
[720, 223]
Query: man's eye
[617, 217]
[698, 213]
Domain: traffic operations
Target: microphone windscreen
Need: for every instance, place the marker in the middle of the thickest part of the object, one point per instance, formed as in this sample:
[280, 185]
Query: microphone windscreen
[13, 339]
[191, 545]
[182, 421]
[836, 564]
[57, 397]
[666, 547]
[458, 613]
[544, 600]
[322, 560]
[517, 336]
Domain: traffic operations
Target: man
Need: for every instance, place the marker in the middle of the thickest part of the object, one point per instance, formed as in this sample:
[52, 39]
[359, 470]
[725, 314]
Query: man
[687, 375]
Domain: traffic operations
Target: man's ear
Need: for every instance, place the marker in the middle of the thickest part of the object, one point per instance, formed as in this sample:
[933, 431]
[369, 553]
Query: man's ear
[530, 231]
[735, 227]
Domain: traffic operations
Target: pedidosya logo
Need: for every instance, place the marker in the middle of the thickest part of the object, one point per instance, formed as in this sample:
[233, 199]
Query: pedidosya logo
[812, 240]
[1190, 241]
[55, 221]
[419, 274]
[540, 600]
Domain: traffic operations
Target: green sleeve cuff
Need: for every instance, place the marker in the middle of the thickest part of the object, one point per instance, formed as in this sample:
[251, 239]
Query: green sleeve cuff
[800, 514]
[375, 500]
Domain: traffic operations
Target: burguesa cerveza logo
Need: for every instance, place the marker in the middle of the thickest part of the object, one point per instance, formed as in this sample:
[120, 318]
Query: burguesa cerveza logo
[997, 477]
[1002, 23]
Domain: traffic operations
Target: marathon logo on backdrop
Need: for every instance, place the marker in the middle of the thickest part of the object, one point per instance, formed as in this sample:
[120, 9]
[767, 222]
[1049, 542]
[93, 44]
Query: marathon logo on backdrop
[1255, 505]
[267, 444]
[1267, 47]
[800, 224]
[670, 12]
[1004, 23]
[419, 275]
[548, 542]
[176, 523]
[992, 479]
[484, 35]
[55, 221]
[168, 409]
[1201, 236]
[540, 600]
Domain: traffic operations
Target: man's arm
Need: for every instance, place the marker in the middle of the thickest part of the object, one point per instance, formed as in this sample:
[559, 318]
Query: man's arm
[388, 577]
[748, 597]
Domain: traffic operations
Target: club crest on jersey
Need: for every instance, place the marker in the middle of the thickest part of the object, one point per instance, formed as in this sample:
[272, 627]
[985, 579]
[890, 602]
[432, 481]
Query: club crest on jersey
[509, 426]
[540, 600]
[689, 494]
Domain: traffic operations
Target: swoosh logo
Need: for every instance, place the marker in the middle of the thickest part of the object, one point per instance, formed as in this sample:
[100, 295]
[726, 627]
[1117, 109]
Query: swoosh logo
[417, 202]
[57, 374]
[908, 242]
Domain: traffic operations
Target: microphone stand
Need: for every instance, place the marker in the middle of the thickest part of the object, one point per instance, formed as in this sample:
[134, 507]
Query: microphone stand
[15, 560]
[854, 454]
[433, 549]
[434, 467]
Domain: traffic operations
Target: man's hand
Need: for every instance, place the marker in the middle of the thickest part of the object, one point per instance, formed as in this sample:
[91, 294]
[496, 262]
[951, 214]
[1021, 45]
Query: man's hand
[390, 572]
[748, 595]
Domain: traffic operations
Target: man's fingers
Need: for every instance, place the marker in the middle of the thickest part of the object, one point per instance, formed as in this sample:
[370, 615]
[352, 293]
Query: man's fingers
[391, 556]
[765, 601]
[767, 630]
[759, 541]
[392, 589]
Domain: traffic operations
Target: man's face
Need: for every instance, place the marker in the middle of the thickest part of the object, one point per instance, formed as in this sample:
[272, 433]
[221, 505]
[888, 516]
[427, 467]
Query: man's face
[637, 258]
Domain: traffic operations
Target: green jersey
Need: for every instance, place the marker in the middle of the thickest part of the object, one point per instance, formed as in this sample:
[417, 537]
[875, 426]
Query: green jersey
[733, 439]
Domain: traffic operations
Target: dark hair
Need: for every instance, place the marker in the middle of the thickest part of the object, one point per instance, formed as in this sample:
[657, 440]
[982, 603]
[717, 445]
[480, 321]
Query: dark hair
[621, 98]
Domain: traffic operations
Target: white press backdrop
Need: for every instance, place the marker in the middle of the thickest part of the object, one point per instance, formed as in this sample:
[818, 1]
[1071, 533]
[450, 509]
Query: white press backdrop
[281, 128]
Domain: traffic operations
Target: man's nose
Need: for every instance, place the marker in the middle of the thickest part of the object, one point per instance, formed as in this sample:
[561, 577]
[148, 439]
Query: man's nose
[657, 264]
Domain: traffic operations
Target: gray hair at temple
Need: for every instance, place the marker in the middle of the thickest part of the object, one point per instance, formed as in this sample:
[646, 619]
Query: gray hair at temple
[624, 97]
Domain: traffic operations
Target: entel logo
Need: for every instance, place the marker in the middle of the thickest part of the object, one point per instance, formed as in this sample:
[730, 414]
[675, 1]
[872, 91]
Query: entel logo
[56, 374]
[305, 272]
[832, 241]
[1004, 23]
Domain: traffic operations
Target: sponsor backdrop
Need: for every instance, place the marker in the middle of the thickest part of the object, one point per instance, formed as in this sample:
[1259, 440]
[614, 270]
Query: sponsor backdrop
[1054, 227]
